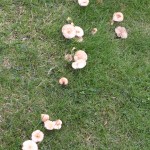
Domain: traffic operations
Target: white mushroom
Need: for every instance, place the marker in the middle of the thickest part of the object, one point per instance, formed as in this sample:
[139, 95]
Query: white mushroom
[63, 81]
[44, 117]
[49, 125]
[83, 2]
[37, 136]
[118, 17]
[79, 31]
[29, 145]
[121, 32]
[94, 30]
[58, 124]
[79, 64]
[80, 54]
[68, 31]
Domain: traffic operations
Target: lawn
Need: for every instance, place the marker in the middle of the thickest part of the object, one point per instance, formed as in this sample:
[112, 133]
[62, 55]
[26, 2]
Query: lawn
[106, 105]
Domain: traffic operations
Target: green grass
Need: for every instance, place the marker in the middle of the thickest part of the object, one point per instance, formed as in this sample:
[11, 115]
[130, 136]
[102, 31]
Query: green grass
[106, 105]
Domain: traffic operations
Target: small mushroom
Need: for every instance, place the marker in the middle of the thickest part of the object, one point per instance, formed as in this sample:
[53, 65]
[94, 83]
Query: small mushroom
[118, 17]
[63, 81]
[49, 125]
[80, 54]
[58, 124]
[94, 30]
[44, 117]
[79, 31]
[83, 2]
[37, 136]
[68, 31]
[121, 32]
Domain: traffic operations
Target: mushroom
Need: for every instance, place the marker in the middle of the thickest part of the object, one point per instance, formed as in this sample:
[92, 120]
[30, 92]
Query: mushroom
[49, 125]
[80, 54]
[79, 64]
[79, 31]
[68, 31]
[121, 32]
[37, 136]
[63, 81]
[44, 117]
[83, 2]
[94, 30]
[118, 17]
[58, 124]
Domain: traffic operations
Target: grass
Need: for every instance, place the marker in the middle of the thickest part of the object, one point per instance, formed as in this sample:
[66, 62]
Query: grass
[105, 106]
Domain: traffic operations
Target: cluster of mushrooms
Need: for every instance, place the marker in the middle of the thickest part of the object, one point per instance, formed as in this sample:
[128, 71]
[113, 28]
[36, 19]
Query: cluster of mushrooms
[79, 61]
[71, 31]
[37, 136]
[121, 32]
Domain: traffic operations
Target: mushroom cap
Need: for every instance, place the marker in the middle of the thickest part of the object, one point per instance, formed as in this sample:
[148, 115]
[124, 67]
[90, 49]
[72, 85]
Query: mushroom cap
[68, 31]
[58, 124]
[79, 64]
[44, 117]
[37, 136]
[80, 54]
[49, 125]
[83, 2]
[121, 32]
[94, 30]
[79, 31]
[118, 17]
[29, 144]
[63, 81]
